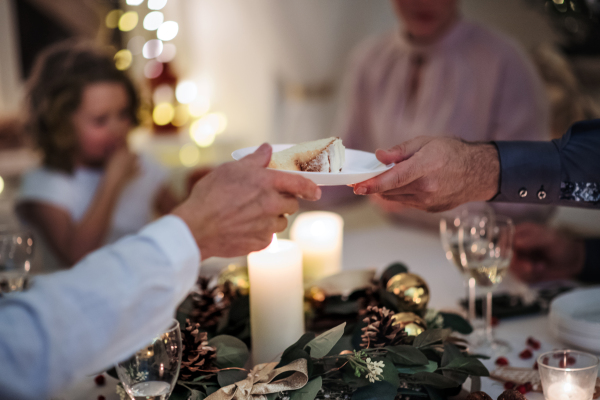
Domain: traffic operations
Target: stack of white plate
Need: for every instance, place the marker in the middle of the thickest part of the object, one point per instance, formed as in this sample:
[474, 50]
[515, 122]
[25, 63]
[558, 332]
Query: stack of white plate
[575, 319]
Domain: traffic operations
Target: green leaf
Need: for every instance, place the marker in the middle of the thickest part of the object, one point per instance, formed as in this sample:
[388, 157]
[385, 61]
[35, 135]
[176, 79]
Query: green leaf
[299, 345]
[411, 393]
[203, 377]
[389, 373]
[231, 351]
[406, 355]
[451, 352]
[231, 376]
[434, 394]
[430, 337]
[272, 396]
[456, 323]
[322, 344]
[309, 391]
[196, 395]
[467, 365]
[375, 391]
[430, 367]
[296, 354]
[432, 379]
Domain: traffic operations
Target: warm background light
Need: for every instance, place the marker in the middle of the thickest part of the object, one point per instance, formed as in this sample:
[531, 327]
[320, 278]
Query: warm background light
[156, 4]
[153, 69]
[186, 92]
[189, 155]
[152, 48]
[167, 31]
[168, 53]
[134, 2]
[136, 44]
[1, 184]
[128, 21]
[153, 20]
[123, 59]
[112, 18]
[163, 94]
[182, 116]
[199, 107]
[163, 114]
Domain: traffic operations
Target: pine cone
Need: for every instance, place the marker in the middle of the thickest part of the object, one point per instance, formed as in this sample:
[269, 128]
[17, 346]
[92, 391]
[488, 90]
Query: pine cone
[197, 355]
[210, 303]
[478, 396]
[379, 332]
[512, 395]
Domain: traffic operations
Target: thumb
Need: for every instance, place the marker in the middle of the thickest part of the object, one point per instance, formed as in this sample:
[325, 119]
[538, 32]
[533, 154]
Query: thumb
[261, 157]
[402, 151]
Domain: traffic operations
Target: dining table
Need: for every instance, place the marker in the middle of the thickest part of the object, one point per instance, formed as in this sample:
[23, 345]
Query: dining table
[421, 251]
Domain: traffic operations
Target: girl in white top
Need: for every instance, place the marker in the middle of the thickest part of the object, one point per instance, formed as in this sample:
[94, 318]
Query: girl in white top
[91, 189]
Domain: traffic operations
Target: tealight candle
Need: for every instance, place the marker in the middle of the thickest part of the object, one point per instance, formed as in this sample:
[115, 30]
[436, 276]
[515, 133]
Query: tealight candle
[320, 235]
[568, 374]
[276, 299]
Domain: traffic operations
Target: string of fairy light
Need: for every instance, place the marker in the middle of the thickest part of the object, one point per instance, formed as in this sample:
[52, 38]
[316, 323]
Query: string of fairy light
[181, 106]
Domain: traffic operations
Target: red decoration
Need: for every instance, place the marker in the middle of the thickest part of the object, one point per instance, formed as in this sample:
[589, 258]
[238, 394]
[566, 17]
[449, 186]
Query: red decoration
[509, 385]
[501, 361]
[522, 389]
[101, 397]
[100, 380]
[534, 344]
[525, 354]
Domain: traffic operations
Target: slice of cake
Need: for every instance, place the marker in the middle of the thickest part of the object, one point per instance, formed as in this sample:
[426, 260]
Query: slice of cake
[324, 155]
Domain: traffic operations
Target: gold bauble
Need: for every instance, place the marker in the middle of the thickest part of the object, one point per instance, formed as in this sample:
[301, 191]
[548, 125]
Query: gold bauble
[315, 294]
[411, 323]
[411, 290]
[237, 275]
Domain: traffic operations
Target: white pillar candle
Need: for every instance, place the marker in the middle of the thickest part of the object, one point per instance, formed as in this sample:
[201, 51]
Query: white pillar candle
[276, 299]
[567, 391]
[320, 235]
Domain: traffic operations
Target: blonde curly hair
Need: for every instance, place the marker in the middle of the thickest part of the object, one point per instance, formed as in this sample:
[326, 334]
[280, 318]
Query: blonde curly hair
[54, 92]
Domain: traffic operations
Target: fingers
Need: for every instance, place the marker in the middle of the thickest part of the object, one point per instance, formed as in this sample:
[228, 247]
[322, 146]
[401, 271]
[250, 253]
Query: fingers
[261, 157]
[296, 185]
[400, 175]
[402, 151]
[283, 204]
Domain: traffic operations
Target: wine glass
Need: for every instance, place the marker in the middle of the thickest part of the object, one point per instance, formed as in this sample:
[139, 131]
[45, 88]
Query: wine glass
[16, 252]
[151, 373]
[486, 250]
[449, 225]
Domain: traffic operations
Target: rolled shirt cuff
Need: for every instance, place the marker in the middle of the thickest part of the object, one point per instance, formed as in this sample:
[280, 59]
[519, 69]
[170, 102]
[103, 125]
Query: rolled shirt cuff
[529, 172]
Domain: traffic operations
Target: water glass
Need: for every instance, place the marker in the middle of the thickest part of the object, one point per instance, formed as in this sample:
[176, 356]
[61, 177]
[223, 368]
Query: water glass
[16, 252]
[568, 374]
[151, 373]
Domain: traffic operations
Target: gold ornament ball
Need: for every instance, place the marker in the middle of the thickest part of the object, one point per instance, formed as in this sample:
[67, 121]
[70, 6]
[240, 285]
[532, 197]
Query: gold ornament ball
[237, 275]
[411, 323]
[412, 291]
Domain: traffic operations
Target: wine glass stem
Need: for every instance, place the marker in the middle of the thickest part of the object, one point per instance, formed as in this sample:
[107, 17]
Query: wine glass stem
[488, 317]
[471, 295]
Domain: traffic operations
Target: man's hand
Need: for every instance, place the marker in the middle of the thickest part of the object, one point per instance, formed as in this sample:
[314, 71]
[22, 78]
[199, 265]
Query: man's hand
[436, 174]
[543, 254]
[235, 209]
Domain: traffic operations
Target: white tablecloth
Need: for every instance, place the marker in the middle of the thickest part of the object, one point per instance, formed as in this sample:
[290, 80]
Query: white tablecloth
[421, 251]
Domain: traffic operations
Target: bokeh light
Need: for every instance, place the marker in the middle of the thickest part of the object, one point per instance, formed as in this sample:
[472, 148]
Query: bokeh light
[167, 31]
[189, 155]
[186, 92]
[1, 184]
[134, 2]
[152, 48]
[163, 94]
[156, 4]
[128, 21]
[153, 69]
[112, 18]
[182, 116]
[136, 44]
[123, 59]
[163, 114]
[199, 107]
[168, 53]
[204, 130]
[153, 20]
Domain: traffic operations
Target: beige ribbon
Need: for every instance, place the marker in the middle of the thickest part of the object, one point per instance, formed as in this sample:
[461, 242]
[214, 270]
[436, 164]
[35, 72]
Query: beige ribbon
[259, 382]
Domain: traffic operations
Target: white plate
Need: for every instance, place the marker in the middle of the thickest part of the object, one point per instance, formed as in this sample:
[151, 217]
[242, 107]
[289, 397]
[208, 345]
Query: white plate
[578, 309]
[359, 167]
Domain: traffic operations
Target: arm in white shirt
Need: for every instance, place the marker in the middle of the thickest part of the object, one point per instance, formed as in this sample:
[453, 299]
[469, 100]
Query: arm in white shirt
[75, 323]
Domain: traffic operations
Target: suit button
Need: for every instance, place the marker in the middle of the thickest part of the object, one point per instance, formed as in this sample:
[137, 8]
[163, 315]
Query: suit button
[523, 192]
[541, 195]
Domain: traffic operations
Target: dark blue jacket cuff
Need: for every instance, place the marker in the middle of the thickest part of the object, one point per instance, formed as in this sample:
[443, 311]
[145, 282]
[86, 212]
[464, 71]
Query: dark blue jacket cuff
[529, 172]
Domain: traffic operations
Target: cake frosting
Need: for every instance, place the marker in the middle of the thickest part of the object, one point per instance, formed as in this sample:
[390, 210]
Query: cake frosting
[323, 155]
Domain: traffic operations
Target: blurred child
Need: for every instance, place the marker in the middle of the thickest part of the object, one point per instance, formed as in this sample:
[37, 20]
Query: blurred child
[91, 189]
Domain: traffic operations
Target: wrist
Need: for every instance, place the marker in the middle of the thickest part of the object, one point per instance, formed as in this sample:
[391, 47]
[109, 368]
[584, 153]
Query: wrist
[191, 219]
[485, 168]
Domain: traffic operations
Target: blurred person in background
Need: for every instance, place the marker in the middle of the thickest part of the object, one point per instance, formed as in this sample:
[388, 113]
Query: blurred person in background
[440, 75]
[91, 189]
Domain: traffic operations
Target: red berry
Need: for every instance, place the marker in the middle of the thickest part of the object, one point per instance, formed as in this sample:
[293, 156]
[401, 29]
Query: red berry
[522, 389]
[509, 385]
[535, 365]
[101, 397]
[528, 386]
[100, 381]
[501, 361]
[525, 354]
[534, 344]
[495, 321]
[546, 360]
[562, 363]
[571, 361]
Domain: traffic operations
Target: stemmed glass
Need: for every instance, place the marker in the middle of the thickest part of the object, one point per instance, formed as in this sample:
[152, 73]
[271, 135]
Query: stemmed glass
[486, 250]
[16, 252]
[450, 223]
[151, 373]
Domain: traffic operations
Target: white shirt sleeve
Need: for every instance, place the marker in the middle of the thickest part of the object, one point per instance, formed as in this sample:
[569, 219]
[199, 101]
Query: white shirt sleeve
[75, 323]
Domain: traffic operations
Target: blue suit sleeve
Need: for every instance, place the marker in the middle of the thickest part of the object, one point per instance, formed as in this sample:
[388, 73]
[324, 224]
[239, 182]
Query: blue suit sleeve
[565, 171]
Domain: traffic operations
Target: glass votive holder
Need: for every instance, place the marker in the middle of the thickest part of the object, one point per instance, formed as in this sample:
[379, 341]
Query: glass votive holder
[568, 374]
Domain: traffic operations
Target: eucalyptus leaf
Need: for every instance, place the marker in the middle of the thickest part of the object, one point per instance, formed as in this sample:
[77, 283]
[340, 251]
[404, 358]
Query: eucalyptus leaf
[231, 351]
[272, 396]
[433, 379]
[376, 391]
[434, 394]
[406, 355]
[467, 365]
[431, 337]
[451, 352]
[430, 367]
[389, 373]
[322, 344]
[195, 395]
[231, 376]
[456, 323]
[309, 391]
